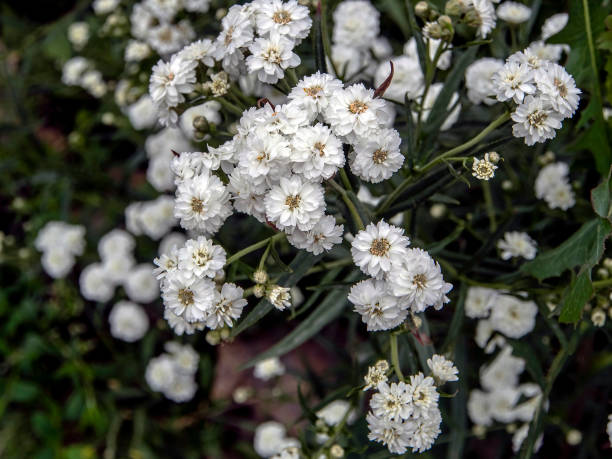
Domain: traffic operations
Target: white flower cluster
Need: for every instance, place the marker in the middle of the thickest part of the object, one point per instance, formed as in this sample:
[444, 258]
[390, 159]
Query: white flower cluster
[269, 368]
[173, 372]
[406, 415]
[118, 268]
[501, 312]
[271, 441]
[356, 44]
[403, 279]
[544, 92]
[59, 243]
[503, 399]
[266, 30]
[517, 244]
[331, 415]
[128, 321]
[153, 218]
[552, 185]
[78, 71]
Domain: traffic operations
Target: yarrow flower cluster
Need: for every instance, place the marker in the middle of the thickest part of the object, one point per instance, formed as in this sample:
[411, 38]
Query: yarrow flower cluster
[271, 441]
[266, 30]
[128, 321]
[517, 244]
[404, 280]
[552, 185]
[406, 415]
[173, 372]
[60, 243]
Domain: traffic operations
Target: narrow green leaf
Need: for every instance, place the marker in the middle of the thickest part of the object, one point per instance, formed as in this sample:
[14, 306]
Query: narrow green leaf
[397, 12]
[576, 296]
[330, 308]
[319, 49]
[600, 197]
[584, 247]
[302, 262]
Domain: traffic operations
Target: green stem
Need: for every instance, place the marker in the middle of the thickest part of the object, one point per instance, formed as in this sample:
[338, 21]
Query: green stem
[351, 206]
[431, 71]
[395, 356]
[589, 34]
[486, 191]
[464, 146]
[345, 180]
[229, 106]
[602, 283]
[325, 33]
[291, 75]
[330, 265]
[258, 245]
[262, 261]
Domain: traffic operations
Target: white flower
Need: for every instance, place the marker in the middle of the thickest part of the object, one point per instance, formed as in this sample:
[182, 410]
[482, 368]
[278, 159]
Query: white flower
[248, 197]
[182, 389]
[377, 247]
[407, 81]
[513, 317]
[554, 24]
[160, 372]
[424, 394]
[609, 428]
[485, 17]
[57, 262]
[142, 114]
[392, 401]
[295, 203]
[78, 34]
[483, 169]
[270, 57]
[514, 81]
[333, 413]
[128, 321]
[320, 238]
[503, 372]
[280, 297]
[115, 243]
[393, 434]
[536, 120]
[118, 267]
[270, 439]
[478, 407]
[317, 154]
[356, 24]
[558, 88]
[263, 155]
[202, 204]
[136, 51]
[102, 7]
[517, 244]
[201, 258]
[553, 186]
[502, 403]
[269, 368]
[226, 307]
[57, 234]
[170, 80]
[196, 6]
[479, 301]
[418, 278]
[312, 93]
[379, 309]
[190, 298]
[379, 157]
[442, 369]
[479, 80]
[94, 284]
[141, 285]
[180, 326]
[424, 431]
[237, 32]
[354, 111]
[288, 19]
[166, 263]
[73, 69]
[376, 375]
[200, 51]
[513, 12]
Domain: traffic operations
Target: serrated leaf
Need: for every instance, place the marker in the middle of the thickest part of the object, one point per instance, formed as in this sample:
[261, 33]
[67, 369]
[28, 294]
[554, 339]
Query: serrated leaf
[576, 296]
[330, 308]
[584, 247]
[302, 262]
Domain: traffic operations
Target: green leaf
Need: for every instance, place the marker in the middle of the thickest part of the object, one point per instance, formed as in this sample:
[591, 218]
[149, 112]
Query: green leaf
[576, 296]
[585, 246]
[397, 12]
[319, 49]
[532, 362]
[23, 391]
[330, 308]
[302, 262]
[600, 197]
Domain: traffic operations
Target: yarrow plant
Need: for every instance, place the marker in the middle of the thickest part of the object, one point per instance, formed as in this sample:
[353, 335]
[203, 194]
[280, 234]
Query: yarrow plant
[400, 182]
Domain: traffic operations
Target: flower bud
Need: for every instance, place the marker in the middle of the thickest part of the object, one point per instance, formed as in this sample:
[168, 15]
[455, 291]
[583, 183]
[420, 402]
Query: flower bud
[213, 338]
[432, 30]
[200, 124]
[421, 9]
[336, 451]
[598, 317]
[573, 437]
[259, 291]
[260, 276]
[454, 7]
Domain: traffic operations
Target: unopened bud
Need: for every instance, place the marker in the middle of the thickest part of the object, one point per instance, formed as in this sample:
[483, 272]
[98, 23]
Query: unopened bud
[336, 451]
[200, 124]
[260, 276]
[259, 291]
[432, 30]
[494, 157]
[455, 7]
[213, 337]
[421, 9]
[573, 437]
[472, 18]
